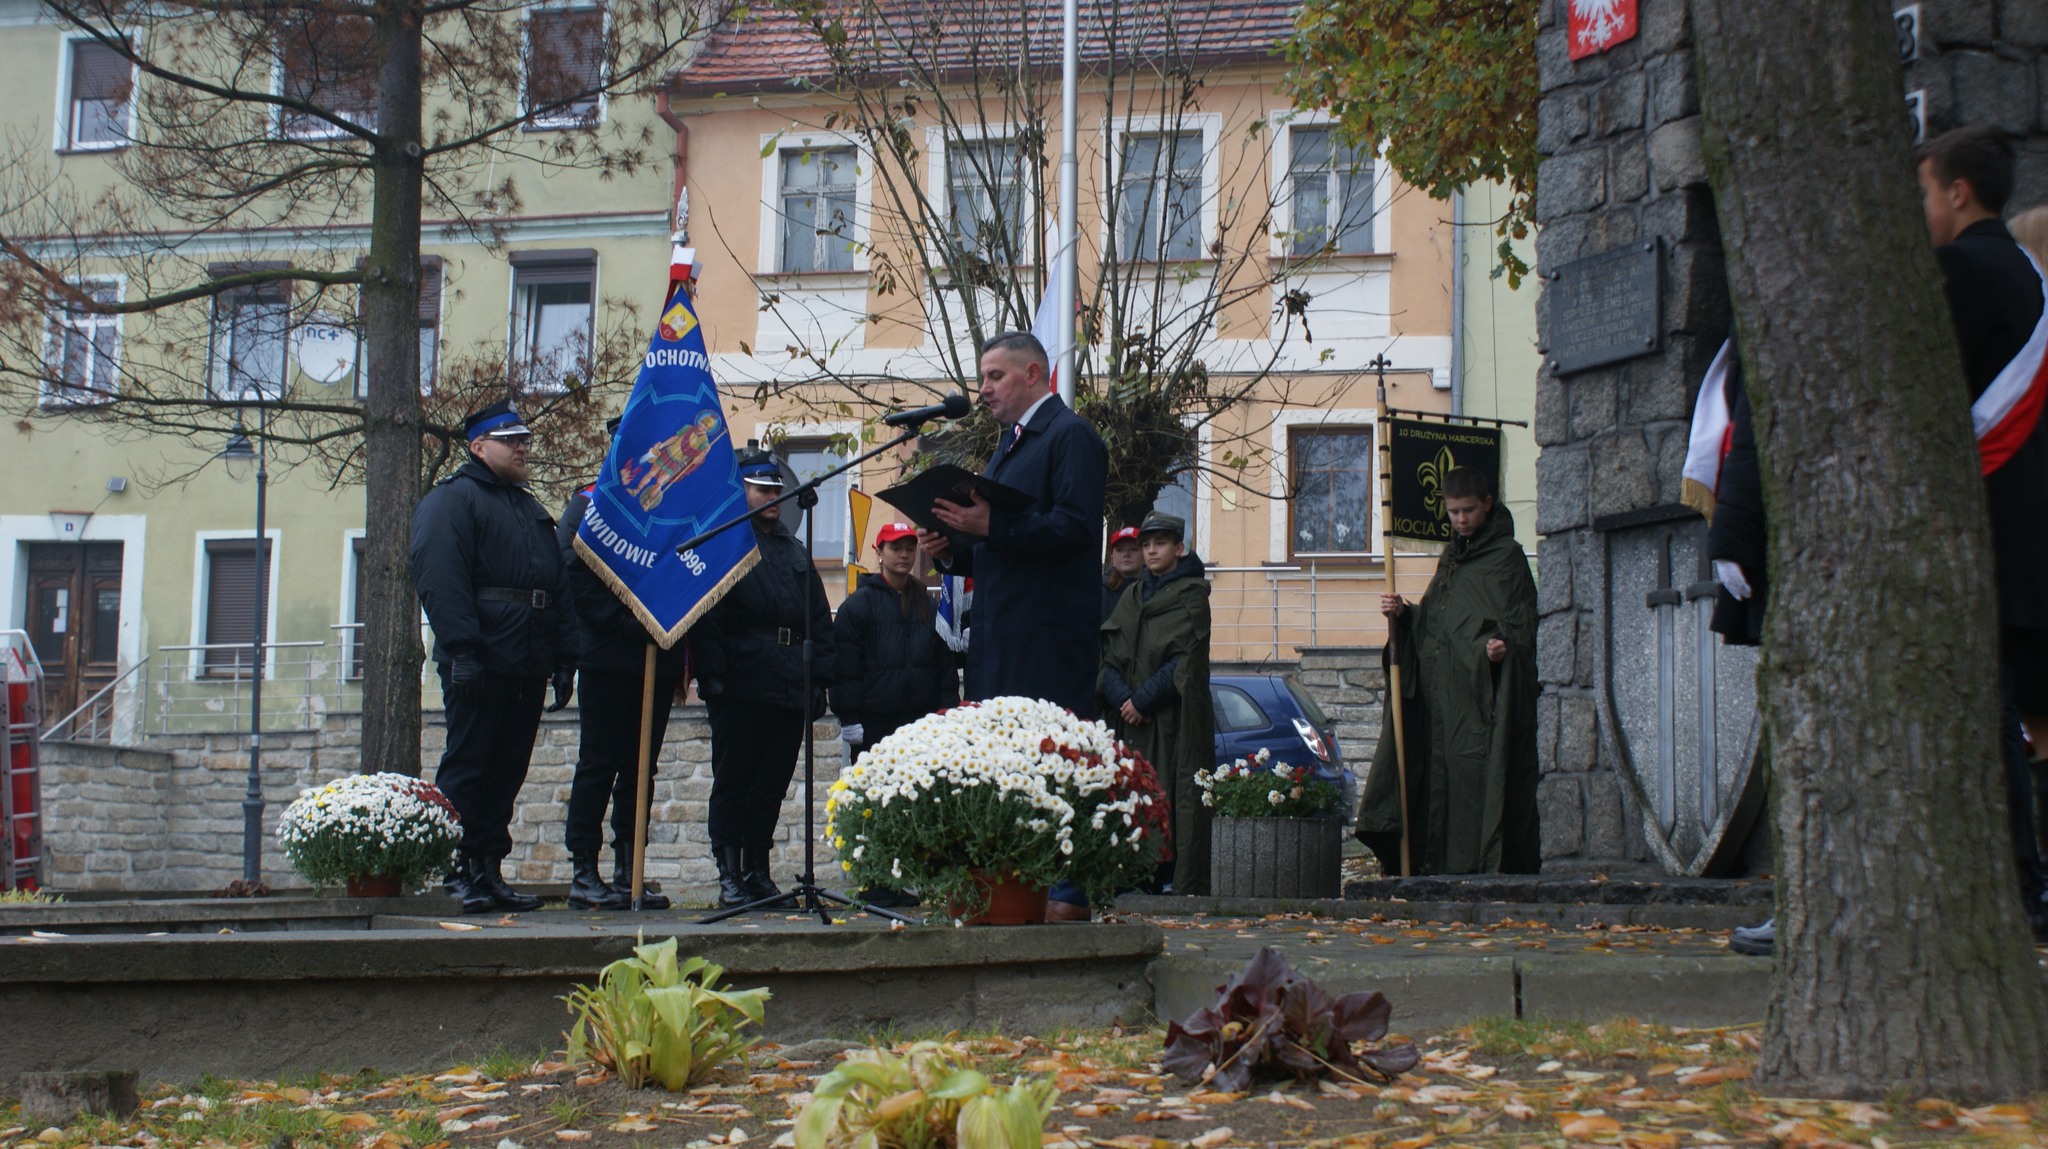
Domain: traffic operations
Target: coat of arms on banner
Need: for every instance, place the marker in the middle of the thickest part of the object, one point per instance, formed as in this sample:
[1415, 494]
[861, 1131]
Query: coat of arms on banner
[1593, 26]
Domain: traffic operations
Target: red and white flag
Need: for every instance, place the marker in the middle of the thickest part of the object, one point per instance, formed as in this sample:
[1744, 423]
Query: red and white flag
[1713, 432]
[1046, 323]
[2006, 414]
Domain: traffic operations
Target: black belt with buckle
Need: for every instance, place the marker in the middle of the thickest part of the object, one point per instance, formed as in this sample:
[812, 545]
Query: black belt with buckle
[780, 635]
[537, 599]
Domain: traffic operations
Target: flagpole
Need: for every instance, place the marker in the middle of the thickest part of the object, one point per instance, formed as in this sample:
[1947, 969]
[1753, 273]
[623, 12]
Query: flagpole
[1394, 706]
[1070, 180]
[640, 797]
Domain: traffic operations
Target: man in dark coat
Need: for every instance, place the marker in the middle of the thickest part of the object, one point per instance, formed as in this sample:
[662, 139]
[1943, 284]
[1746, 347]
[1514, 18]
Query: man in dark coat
[1735, 536]
[612, 649]
[1155, 683]
[485, 565]
[1995, 298]
[1036, 583]
[1468, 665]
[748, 651]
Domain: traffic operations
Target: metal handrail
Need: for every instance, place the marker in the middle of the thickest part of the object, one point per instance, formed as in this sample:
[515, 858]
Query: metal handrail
[102, 692]
[240, 645]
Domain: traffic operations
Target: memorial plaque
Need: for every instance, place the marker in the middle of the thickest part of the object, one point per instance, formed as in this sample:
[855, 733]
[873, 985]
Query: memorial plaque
[1606, 307]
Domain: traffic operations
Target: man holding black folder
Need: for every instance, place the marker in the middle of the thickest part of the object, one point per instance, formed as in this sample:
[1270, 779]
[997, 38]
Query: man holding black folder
[1037, 599]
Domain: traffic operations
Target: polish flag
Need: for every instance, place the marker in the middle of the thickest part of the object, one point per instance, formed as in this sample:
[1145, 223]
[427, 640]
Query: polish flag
[1713, 432]
[1046, 323]
[2006, 414]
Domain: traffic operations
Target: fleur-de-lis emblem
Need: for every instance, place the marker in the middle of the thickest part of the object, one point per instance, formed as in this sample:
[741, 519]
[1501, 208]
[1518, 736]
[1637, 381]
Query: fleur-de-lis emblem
[1431, 476]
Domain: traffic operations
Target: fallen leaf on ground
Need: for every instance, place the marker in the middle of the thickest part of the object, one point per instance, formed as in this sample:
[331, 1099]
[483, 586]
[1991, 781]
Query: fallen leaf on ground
[1587, 1125]
[458, 927]
[565, 1134]
[1212, 1138]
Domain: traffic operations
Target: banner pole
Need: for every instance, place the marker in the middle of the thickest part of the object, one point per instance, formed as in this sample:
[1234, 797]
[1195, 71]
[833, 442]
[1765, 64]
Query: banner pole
[640, 794]
[1393, 630]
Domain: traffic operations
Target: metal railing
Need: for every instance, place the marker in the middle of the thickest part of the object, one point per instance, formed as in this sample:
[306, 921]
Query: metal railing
[97, 718]
[1267, 613]
[204, 687]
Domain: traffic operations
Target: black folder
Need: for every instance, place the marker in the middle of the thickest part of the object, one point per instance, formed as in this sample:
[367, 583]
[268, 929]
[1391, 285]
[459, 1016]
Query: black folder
[955, 485]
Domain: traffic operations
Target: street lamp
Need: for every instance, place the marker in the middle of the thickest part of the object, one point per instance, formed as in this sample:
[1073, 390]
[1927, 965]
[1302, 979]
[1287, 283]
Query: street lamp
[240, 454]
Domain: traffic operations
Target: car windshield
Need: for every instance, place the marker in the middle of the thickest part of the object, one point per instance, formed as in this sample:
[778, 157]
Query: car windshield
[1309, 709]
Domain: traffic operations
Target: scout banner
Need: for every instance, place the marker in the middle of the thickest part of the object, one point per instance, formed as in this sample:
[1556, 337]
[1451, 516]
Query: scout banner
[1423, 453]
[669, 476]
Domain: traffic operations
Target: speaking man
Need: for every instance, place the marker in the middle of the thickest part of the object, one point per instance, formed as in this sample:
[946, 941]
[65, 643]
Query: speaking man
[1037, 588]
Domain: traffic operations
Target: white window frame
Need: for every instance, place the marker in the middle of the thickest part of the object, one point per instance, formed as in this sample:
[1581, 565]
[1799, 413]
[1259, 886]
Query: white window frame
[515, 324]
[317, 129]
[351, 577]
[1283, 192]
[1201, 484]
[220, 333]
[1210, 125]
[1281, 473]
[55, 397]
[562, 121]
[430, 367]
[939, 175]
[63, 142]
[273, 538]
[780, 433]
[773, 146]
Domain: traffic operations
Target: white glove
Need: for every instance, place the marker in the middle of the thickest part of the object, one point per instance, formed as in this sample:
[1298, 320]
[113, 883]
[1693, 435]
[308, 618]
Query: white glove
[852, 734]
[1729, 575]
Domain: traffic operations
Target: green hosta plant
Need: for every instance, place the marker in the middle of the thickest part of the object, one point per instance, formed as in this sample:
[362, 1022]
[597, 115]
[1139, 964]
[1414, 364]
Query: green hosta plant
[651, 1017]
[928, 1097]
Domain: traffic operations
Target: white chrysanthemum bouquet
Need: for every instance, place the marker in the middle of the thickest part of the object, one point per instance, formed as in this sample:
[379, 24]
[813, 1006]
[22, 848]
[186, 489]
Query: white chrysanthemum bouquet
[1256, 788]
[1006, 789]
[364, 825]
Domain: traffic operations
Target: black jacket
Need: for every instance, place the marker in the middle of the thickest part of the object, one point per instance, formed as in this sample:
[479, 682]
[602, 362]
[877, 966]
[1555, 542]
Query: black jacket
[738, 646]
[1037, 576]
[608, 635]
[1994, 296]
[1738, 531]
[887, 663]
[473, 534]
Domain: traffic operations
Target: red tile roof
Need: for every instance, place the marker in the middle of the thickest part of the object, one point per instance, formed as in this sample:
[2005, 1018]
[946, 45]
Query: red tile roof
[772, 50]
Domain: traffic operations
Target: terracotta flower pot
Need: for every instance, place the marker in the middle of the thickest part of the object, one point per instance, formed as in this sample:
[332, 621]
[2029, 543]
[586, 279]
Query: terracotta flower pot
[376, 886]
[1010, 903]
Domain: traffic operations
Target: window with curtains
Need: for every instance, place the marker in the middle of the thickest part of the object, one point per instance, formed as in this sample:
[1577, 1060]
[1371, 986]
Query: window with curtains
[233, 574]
[817, 204]
[1159, 185]
[1331, 474]
[554, 297]
[1329, 190]
[809, 458]
[353, 639]
[251, 336]
[328, 61]
[432, 272]
[565, 67]
[84, 357]
[985, 207]
[100, 97]
[1178, 499]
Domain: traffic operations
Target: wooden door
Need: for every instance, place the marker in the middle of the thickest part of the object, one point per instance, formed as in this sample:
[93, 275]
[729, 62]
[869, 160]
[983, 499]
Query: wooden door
[74, 619]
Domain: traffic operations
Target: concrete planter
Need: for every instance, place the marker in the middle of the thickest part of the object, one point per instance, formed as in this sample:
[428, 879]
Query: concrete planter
[1276, 857]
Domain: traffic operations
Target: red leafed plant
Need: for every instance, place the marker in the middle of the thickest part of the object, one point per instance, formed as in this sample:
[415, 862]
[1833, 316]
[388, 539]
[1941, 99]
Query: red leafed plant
[1273, 1022]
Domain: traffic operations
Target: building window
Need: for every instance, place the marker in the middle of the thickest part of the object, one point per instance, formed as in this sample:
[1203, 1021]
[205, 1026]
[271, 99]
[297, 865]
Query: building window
[1329, 185]
[233, 576]
[431, 272]
[1159, 181]
[329, 62]
[1178, 499]
[554, 297]
[85, 353]
[101, 96]
[565, 67]
[251, 339]
[809, 458]
[352, 628]
[985, 209]
[1331, 511]
[817, 209]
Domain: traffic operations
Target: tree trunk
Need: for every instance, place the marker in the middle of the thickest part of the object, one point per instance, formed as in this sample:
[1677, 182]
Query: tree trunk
[391, 432]
[1903, 959]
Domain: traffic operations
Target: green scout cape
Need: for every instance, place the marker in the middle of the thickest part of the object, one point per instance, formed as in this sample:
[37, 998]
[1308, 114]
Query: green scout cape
[1470, 723]
[1139, 638]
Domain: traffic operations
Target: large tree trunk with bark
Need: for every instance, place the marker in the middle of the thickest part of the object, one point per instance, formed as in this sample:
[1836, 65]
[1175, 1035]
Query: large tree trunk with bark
[391, 433]
[1903, 959]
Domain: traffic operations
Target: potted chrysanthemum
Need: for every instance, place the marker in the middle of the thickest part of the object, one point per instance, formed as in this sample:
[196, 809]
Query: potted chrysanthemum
[998, 799]
[377, 834]
[1276, 833]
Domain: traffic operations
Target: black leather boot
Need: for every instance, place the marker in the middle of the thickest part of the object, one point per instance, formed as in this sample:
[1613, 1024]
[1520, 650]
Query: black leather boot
[650, 897]
[755, 878]
[730, 892]
[487, 883]
[462, 884]
[587, 890]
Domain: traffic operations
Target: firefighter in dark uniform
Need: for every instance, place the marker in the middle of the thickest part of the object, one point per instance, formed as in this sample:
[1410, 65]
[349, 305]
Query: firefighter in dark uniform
[488, 571]
[748, 655]
[611, 662]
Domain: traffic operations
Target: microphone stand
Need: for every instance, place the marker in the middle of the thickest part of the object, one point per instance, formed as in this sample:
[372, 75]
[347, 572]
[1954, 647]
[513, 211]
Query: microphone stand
[807, 896]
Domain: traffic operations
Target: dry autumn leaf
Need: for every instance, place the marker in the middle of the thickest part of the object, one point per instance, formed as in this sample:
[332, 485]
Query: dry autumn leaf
[1588, 1125]
[563, 1134]
[1213, 1138]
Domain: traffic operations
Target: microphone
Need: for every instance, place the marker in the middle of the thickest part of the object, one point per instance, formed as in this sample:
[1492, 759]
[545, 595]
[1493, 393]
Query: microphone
[956, 406]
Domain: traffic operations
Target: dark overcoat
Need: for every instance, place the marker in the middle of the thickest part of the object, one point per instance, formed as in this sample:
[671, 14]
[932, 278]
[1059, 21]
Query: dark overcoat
[749, 647]
[481, 548]
[1037, 585]
[1737, 534]
[609, 636]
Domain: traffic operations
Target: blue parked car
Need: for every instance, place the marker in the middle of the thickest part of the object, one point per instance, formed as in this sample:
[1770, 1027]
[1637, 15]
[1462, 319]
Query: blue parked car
[1260, 711]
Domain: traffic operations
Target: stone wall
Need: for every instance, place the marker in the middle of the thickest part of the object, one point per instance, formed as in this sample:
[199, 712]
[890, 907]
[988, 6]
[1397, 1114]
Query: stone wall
[1986, 62]
[169, 816]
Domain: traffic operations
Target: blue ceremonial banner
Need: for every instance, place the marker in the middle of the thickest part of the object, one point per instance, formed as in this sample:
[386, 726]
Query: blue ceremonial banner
[669, 477]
